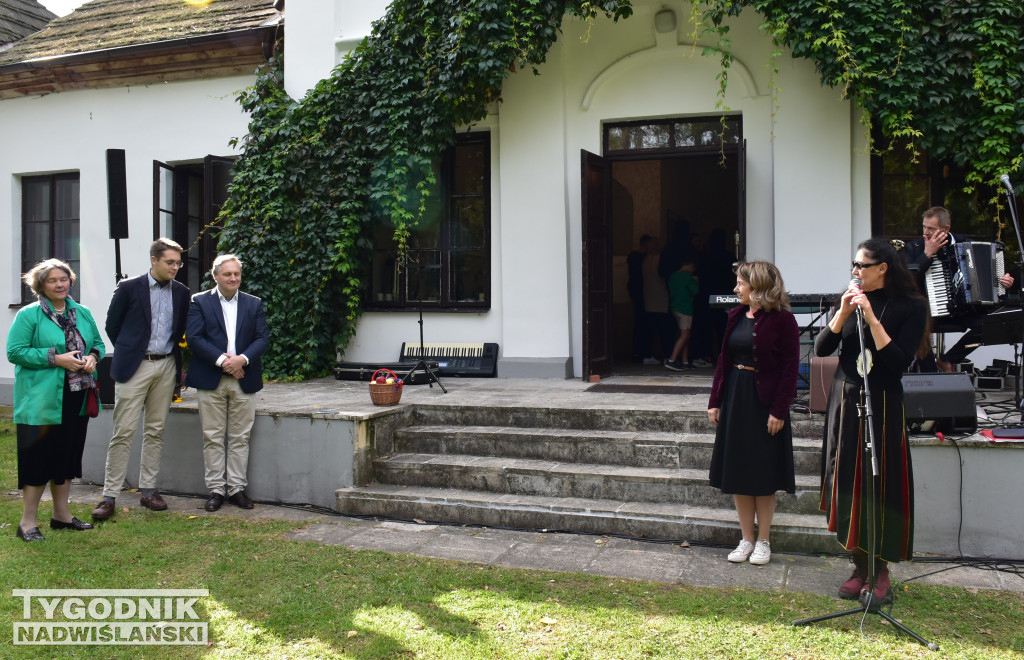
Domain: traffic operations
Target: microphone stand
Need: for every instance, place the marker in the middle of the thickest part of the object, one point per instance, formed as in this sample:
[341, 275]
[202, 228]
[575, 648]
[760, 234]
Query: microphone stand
[865, 415]
[118, 276]
[422, 364]
[1011, 202]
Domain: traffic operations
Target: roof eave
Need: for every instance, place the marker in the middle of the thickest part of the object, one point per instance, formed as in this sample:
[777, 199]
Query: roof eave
[265, 32]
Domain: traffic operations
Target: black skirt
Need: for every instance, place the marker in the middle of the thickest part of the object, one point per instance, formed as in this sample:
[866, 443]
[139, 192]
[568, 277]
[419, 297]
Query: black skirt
[747, 460]
[53, 452]
[846, 473]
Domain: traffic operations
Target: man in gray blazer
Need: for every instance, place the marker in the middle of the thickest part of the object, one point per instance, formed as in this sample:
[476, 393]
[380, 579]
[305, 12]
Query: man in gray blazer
[227, 332]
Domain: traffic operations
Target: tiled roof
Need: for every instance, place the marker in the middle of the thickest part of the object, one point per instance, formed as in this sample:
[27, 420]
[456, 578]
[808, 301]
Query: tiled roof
[107, 24]
[20, 18]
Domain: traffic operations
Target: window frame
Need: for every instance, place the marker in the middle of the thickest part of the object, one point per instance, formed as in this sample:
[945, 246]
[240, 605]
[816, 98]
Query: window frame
[195, 202]
[27, 297]
[404, 290]
[735, 122]
[942, 183]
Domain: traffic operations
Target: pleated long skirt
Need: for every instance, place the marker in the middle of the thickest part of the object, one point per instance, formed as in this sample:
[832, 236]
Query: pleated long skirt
[846, 492]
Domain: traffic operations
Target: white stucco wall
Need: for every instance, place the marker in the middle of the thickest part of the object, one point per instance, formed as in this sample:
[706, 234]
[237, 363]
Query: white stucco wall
[807, 171]
[802, 172]
[808, 201]
[814, 184]
[325, 33]
[70, 131]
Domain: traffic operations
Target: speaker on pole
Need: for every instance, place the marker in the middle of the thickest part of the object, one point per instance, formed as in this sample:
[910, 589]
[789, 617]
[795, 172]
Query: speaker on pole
[117, 194]
[946, 400]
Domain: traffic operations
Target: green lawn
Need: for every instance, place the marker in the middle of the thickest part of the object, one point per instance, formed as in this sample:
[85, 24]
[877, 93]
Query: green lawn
[278, 598]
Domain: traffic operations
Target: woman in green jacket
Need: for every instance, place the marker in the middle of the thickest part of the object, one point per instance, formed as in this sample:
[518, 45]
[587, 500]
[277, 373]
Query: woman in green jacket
[54, 345]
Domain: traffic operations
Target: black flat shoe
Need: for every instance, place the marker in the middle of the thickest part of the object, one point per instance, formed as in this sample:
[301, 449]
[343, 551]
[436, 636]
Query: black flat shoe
[28, 536]
[75, 524]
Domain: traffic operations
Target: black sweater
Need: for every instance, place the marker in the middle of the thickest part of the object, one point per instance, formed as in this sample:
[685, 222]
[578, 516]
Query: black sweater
[904, 321]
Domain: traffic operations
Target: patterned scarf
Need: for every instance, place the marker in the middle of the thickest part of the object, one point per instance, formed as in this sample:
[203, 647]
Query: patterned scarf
[73, 341]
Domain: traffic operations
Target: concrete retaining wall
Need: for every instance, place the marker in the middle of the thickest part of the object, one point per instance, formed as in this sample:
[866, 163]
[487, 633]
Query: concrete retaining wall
[304, 459]
[291, 458]
[980, 485]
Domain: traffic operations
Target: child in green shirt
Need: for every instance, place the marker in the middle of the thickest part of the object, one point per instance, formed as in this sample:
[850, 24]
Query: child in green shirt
[682, 288]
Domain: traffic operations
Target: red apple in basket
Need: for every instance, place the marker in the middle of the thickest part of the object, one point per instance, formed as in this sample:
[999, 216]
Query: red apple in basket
[380, 380]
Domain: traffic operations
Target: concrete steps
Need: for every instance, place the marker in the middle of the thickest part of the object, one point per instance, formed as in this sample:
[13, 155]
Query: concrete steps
[639, 448]
[790, 532]
[629, 472]
[529, 476]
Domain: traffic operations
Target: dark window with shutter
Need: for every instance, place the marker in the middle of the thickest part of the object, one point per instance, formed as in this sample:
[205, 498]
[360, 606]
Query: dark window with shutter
[50, 224]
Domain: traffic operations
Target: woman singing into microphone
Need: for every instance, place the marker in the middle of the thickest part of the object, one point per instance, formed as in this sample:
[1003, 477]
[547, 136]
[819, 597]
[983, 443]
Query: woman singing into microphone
[895, 319]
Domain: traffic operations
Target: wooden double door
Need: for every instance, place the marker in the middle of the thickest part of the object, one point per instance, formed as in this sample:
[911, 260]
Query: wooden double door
[625, 197]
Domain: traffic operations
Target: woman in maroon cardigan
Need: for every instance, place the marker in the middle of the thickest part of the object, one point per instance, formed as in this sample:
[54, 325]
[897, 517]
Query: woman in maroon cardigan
[755, 381]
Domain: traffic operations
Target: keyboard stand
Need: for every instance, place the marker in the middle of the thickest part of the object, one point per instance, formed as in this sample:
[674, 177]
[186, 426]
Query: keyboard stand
[431, 376]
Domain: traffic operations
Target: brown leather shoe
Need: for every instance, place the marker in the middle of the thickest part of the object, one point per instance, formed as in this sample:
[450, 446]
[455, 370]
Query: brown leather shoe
[241, 500]
[103, 510]
[153, 502]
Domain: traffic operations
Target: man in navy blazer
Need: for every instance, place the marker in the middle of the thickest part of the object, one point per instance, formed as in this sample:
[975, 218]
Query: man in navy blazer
[145, 322]
[227, 332]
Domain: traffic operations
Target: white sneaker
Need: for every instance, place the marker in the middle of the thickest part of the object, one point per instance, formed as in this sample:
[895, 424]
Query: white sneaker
[701, 363]
[651, 360]
[741, 552]
[762, 553]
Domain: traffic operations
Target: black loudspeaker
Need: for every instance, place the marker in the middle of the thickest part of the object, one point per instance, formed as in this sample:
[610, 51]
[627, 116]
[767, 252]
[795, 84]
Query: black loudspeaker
[946, 400]
[117, 193]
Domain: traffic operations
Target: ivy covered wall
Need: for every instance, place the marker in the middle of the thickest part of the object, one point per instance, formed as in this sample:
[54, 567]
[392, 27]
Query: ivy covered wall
[356, 151]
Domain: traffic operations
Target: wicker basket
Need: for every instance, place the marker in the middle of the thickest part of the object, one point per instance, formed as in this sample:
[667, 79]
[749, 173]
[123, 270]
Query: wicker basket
[386, 394]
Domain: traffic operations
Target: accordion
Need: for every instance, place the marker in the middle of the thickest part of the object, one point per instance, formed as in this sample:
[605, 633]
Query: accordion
[964, 278]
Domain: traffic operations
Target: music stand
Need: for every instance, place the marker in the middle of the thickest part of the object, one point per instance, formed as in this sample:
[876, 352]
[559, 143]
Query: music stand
[422, 364]
[1011, 202]
[867, 430]
[1006, 326]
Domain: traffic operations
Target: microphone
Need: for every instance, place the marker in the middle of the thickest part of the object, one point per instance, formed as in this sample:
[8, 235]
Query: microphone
[855, 287]
[1006, 182]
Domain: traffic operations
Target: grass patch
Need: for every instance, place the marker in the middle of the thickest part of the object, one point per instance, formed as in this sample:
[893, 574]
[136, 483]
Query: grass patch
[279, 598]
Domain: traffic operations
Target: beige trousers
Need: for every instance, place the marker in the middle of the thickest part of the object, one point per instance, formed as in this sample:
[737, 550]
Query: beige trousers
[227, 414]
[150, 389]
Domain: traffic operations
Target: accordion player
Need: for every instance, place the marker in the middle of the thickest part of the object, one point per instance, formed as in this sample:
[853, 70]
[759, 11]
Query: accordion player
[965, 278]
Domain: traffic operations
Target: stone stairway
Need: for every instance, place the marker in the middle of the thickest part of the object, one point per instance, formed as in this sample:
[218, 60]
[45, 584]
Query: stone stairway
[638, 473]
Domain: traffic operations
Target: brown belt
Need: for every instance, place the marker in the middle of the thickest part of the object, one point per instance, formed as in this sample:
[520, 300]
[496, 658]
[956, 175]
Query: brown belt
[743, 366]
[154, 356]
